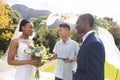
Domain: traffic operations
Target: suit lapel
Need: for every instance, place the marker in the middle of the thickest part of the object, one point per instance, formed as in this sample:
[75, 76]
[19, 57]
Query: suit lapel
[88, 38]
[83, 46]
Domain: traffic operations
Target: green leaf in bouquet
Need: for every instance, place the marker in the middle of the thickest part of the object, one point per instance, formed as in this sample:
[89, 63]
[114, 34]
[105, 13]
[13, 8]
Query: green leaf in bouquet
[32, 51]
[37, 76]
[31, 47]
[26, 52]
[38, 49]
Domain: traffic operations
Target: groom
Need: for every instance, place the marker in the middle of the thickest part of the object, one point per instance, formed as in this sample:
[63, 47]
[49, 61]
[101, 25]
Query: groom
[91, 56]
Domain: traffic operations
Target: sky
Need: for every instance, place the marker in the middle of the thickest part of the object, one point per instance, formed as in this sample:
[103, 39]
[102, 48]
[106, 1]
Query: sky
[100, 8]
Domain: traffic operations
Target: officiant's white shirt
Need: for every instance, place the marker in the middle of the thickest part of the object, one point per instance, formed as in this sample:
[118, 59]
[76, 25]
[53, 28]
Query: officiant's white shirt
[63, 50]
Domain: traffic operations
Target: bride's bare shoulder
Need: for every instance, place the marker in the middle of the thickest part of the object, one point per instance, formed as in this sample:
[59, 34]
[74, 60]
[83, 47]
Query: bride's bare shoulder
[15, 41]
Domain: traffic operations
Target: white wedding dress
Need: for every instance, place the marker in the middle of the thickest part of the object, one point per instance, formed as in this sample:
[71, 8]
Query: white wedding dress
[24, 72]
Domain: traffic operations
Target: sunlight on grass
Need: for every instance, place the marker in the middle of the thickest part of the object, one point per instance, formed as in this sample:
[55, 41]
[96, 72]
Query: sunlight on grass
[50, 68]
[110, 71]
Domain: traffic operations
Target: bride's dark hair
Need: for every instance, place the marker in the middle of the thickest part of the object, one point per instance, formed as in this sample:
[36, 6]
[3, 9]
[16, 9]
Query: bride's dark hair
[23, 23]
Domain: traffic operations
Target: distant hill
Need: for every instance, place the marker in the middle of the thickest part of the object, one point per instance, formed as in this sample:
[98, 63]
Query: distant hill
[54, 19]
[28, 13]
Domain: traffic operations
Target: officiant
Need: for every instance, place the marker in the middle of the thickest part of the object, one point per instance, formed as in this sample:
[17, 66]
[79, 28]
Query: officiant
[65, 52]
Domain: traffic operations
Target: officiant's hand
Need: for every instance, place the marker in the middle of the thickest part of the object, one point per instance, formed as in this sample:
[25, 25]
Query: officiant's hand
[67, 60]
[54, 56]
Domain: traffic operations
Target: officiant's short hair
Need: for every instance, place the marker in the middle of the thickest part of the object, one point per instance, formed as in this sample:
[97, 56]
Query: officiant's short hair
[65, 25]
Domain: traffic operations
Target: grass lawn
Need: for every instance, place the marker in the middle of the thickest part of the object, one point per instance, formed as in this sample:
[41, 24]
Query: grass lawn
[50, 68]
[110, 71]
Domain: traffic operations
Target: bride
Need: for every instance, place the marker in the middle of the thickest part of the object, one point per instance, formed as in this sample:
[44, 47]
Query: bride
[25, 65]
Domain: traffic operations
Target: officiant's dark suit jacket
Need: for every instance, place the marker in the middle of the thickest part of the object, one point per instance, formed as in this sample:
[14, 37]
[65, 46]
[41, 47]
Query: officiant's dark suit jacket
[91, 59]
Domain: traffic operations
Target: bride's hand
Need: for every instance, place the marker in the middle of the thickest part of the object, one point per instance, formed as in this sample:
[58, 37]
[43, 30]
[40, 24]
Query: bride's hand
[39, 62]
[36, 62]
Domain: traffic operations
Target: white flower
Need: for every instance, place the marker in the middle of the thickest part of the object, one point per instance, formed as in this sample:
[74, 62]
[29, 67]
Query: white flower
[37, 54]
[41, 52]
[27, 52]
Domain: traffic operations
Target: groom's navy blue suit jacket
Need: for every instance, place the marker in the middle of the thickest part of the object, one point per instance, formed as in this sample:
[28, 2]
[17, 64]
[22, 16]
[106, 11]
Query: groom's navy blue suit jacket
[91, 59]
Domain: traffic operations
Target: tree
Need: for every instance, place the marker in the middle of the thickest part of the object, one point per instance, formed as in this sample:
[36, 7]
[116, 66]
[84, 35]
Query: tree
[5, 21]
[101, 22]
[110, 20]
[8, 21]
[75, 36]
[115, 31]
[51, 38]
[39, 22]
[15, 16]
[47, 37]
[4, 17]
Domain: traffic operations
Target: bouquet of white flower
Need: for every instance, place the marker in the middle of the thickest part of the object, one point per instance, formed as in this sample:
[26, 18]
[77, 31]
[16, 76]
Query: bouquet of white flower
[34, 53]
